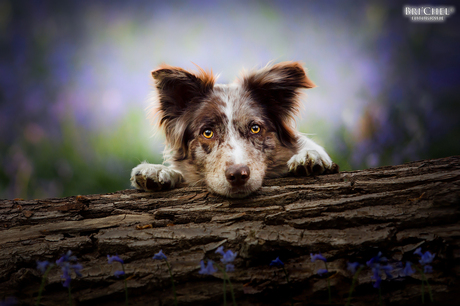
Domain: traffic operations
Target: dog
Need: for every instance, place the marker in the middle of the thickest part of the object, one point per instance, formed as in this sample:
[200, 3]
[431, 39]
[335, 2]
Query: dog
[231, 137]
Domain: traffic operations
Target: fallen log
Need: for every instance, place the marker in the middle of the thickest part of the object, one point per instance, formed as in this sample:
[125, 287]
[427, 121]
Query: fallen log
[349, 216]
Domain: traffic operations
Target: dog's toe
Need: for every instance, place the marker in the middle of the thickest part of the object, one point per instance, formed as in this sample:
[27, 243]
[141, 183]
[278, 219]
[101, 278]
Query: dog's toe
[317, 169]
[300, 170]
[151, 185]
[333, 169]
[311, 163]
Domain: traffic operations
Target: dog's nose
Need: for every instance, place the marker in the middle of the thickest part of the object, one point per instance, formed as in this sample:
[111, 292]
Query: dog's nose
[237, 175]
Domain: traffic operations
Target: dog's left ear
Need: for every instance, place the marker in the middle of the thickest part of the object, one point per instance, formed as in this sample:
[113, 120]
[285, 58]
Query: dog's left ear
[276, 88]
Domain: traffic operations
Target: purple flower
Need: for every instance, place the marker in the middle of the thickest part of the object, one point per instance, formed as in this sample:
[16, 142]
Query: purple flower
[220, 250]
[229, 268]
[66, 266]
[377, 282]
[42, 265]
[66, 283]
[376, 276]
[376, 259]
[352, 266]
[375, 263]
[66, 275]
[277, 262]
[315, 257]
[322, 271]
[119, 273]
[228, 257]
[66, 258]
[160, 256]
[387, 269]
[408, 271]
[427, 269]
[418, 251]
[427, 258]
[113, 258]
[209, 269]
[77, 268]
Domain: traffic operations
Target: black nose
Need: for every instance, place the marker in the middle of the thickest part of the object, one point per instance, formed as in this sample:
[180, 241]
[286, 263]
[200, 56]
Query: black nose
[237, 175]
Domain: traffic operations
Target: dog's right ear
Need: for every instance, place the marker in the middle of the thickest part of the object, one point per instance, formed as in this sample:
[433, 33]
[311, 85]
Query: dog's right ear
[177, 89]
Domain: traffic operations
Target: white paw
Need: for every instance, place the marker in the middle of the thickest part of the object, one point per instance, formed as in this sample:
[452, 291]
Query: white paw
[308, 162]
[152, 177]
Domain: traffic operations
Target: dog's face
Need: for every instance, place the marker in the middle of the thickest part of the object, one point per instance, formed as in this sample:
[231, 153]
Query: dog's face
[229, 136]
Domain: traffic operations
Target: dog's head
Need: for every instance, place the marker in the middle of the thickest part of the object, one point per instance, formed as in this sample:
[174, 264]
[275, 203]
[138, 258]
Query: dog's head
[229, 136]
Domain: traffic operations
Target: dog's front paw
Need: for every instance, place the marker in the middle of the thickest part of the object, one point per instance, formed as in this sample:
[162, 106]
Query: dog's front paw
[311, 162]
[150, 177]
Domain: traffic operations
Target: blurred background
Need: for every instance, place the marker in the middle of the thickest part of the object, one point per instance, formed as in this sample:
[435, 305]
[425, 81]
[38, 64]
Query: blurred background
[75, 79]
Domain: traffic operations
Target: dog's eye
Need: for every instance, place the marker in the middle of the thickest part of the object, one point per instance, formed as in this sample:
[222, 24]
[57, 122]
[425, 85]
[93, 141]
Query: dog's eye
[255, 129]
[208, 134]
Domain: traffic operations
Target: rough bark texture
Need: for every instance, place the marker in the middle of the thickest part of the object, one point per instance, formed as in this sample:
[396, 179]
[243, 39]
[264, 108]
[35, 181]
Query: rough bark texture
[348, 216]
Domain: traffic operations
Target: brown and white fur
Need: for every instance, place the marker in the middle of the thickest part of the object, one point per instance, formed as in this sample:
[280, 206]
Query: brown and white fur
[231, 137]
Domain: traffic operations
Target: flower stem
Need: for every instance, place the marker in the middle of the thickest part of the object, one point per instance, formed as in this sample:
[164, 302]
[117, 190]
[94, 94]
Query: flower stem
[429, 291]
[42, 285]
[172, 282]
[353, 283]
[380, 296]
[231, 291]
[229, 284]
[286, 275]
[424, 280]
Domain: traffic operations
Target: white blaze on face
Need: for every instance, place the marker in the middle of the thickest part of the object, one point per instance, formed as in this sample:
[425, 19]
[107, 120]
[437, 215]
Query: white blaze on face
[237, 151]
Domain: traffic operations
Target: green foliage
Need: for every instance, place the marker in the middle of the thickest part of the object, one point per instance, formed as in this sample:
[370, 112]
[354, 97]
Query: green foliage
[82, 161]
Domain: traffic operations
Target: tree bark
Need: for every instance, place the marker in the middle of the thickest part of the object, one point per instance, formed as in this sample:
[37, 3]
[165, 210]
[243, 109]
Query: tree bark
[349, 216]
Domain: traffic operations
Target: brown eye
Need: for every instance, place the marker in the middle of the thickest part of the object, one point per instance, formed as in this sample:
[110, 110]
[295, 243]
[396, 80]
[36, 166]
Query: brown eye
[208, 134]
[255, 129]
